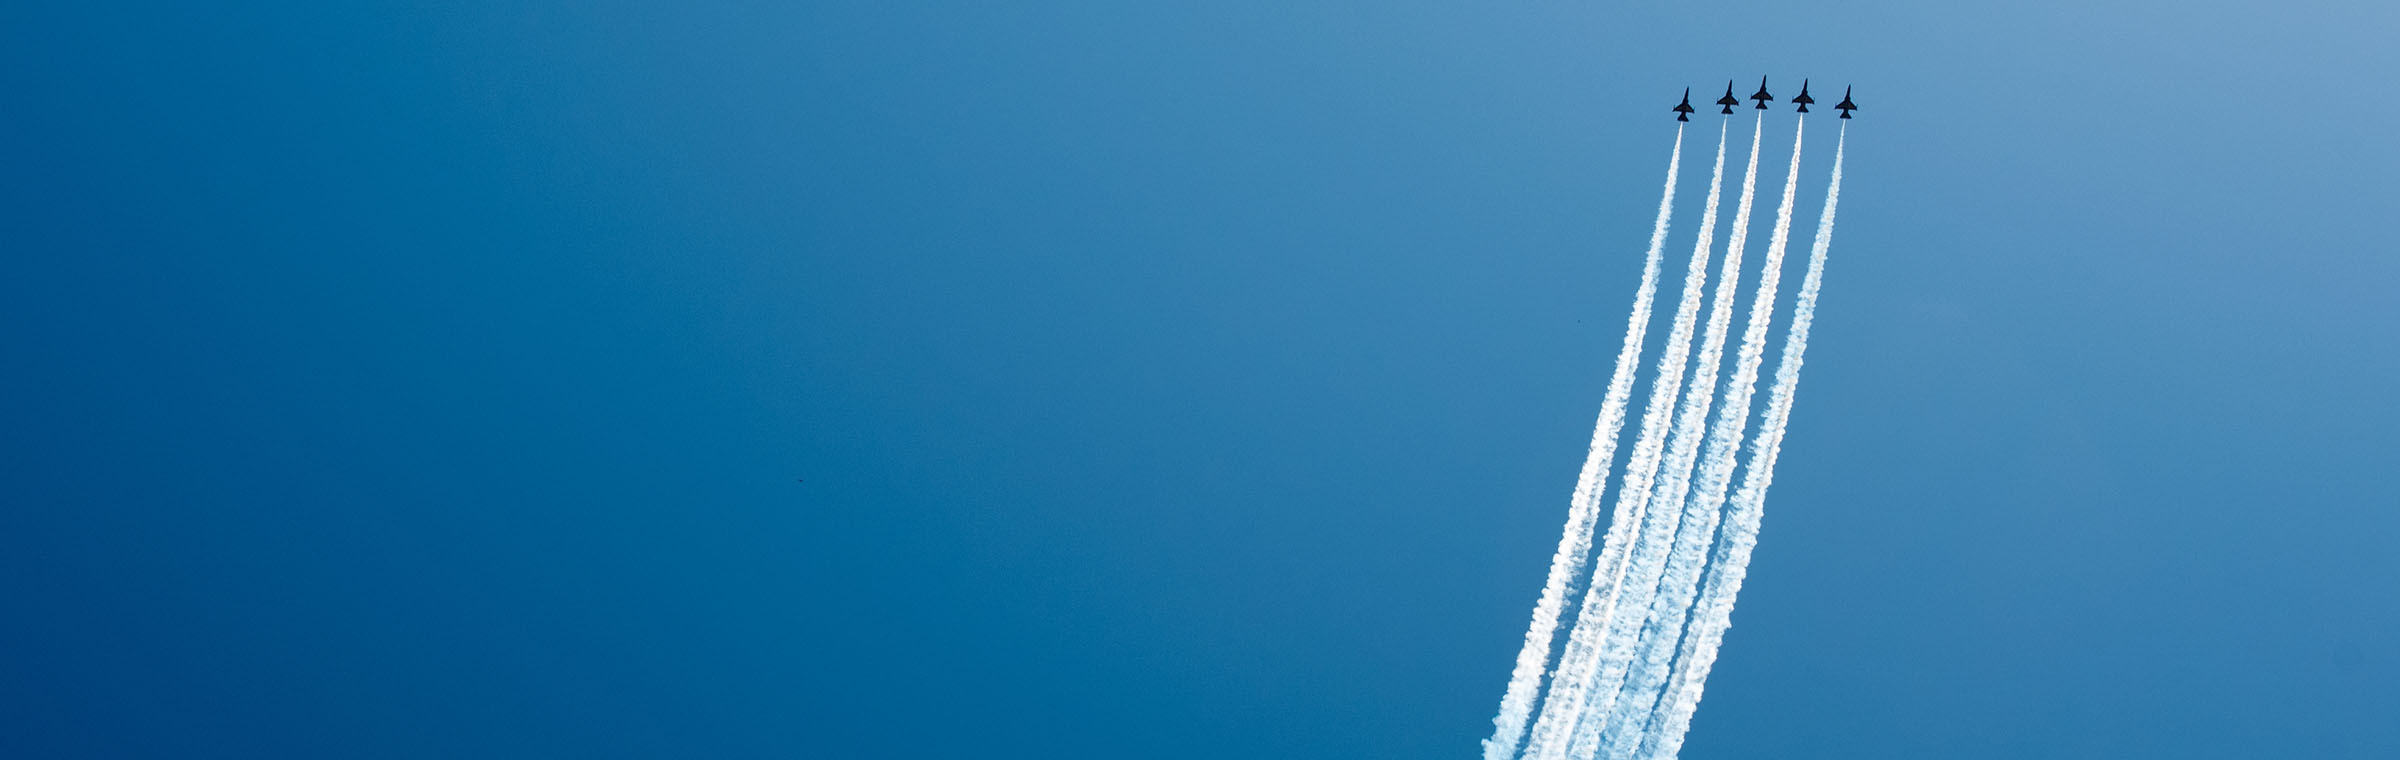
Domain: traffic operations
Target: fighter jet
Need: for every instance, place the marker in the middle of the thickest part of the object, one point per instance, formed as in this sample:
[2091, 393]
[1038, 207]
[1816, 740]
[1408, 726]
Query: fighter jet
[1845, 106]
[1685, 107]
[1761, 96]
[1804, 99]
[1728, 101]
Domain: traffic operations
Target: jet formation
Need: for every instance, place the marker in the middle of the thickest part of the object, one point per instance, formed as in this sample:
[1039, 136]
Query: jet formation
[1683, 110]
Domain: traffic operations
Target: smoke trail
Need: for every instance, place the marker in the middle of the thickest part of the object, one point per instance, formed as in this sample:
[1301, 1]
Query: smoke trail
[1674, 570]
[1731, 559]
[1638, 580]
[1575, 542]
[1702, 509]
[1570, 686]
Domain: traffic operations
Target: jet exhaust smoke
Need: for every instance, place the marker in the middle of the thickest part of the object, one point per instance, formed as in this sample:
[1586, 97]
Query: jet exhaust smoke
[1580, 676]
[1575, 542]
[1628, 627]
[1667, 471]
[1730, 560]
[1677, 567]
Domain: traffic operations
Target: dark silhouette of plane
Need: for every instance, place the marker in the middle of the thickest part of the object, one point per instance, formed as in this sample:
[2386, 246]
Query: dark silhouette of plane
[1728, 101]
[1761, 96]
[1845, 106]
[1685, 107]
[1804, 99]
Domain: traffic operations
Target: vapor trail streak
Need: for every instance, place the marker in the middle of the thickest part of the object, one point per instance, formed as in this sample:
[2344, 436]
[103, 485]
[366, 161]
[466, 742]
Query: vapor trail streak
[1571, 686]
[1664, 474]
[1674, 569]
[1575, 542]
[1731, 559]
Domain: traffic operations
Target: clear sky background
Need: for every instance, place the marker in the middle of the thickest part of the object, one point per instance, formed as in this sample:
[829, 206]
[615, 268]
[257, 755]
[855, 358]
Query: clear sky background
[1188, 380]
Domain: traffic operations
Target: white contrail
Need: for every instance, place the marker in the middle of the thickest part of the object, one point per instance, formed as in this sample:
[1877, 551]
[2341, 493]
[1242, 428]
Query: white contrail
[1673, 569]
[1731, 559]
[1571, 686]
[1658, 473]
[1575, 542]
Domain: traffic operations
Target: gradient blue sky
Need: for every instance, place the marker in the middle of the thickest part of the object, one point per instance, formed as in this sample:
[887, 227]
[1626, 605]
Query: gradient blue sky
[1191, 380]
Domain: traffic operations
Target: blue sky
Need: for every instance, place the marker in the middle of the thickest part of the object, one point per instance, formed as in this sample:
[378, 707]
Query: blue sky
[1200, 380]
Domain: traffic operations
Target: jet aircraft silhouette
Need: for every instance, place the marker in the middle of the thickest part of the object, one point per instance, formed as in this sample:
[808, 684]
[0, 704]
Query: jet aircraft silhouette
[1728, 101]
[1761, 96]
[1804, 99]
[1684, 108]
[1845, 106]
